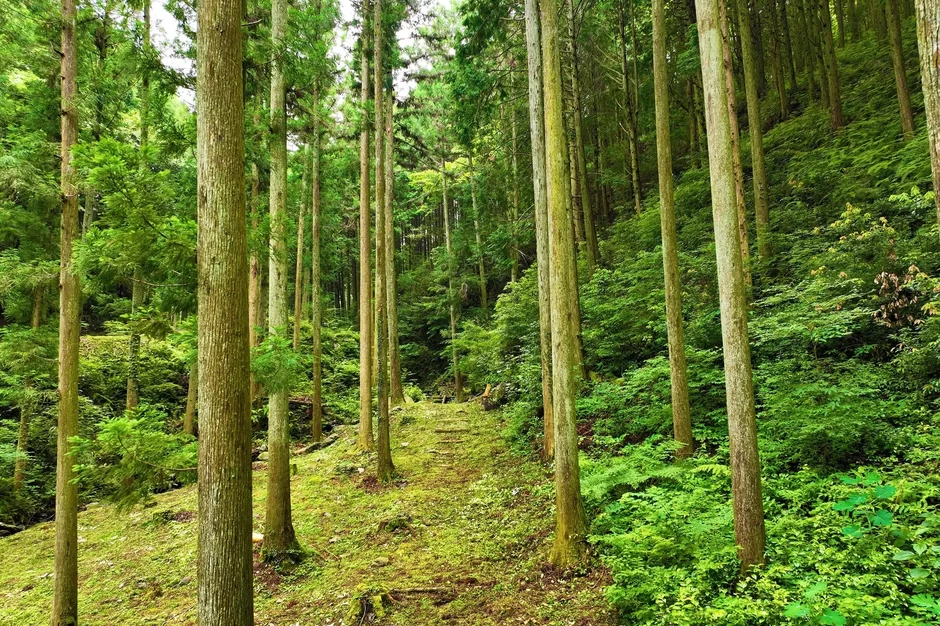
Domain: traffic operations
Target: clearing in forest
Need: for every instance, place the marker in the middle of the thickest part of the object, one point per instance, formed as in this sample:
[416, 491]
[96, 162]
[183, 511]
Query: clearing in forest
[460, 538]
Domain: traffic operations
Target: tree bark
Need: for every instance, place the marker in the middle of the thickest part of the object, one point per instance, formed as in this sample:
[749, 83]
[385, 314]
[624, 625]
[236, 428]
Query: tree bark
[742, 425]
[587, 213]
[192, 388]
[631, 103]
[900, 75]
[681, 413]
[255, 312]
[832, 68]
[928, 42]
[542, 252]
[761, 201]
[280, 542]
[787, 44]
[476, 232]
[364, 440]
[386, 469]
[451, 296]
[396, 388]
[299, 265]
[569, 547]
[224, 557]
[27, 404]
[65, 587]
[316, 308]
[735, 144]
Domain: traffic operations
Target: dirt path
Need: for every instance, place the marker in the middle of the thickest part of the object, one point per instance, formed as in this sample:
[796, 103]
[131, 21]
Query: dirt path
[460, 538]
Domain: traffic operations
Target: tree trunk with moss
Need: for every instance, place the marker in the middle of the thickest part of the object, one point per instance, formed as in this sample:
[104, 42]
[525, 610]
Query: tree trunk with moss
[542, 252]
[570, 546]
[681, 413]
[280, 541]
[900, 74]
[65, 585]
[224, 562]
[928, 42]
[742, 425]
[364, 439]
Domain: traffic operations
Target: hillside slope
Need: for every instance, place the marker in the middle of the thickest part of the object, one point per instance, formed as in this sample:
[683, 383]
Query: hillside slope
[460, 539]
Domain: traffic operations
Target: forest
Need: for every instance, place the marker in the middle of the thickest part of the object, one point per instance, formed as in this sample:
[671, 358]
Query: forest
[483, 312]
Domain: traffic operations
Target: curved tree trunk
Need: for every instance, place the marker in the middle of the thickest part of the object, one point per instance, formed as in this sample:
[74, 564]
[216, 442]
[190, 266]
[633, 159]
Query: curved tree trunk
[279, 539]
[681, 413]
[570, 546]
[224, 560]
[65, 587]
[742, 425]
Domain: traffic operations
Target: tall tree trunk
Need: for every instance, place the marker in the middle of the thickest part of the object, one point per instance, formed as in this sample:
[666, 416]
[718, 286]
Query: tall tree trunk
[364, 440]
[777, 55]
[385, 467]
[832, 68]
[878, 19]
[133, 358]
[299, 265]
[587, 213]
[224, 549]
[787, 44]
[451, 296]
[900, 75]
[630, 106]
[542, 252]
[761, 201]
[192, 387]
[396, 390]
[137, 287]
[840, 21]
[928, 42]
[316, 308]
[742, 425]
[280, 541]
[681, 413]
[514, 221]
[27, 405]
[255, 312]
[65, 587]
[476, 232]
[569, 546]
[741, 207]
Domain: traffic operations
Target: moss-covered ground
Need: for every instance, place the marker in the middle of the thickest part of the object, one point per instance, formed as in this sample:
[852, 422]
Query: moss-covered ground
[460, 538]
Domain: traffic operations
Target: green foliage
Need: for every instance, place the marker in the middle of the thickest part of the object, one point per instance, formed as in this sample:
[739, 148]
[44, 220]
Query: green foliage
[133, 456]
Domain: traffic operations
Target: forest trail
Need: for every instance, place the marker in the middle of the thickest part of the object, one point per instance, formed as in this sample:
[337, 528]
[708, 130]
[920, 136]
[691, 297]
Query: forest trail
[460, 538]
